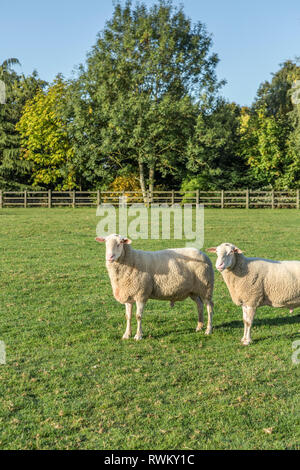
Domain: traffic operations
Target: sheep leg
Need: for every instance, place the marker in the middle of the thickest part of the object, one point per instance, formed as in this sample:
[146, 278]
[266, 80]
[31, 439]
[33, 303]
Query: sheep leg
[248, 316]
[210, 312]
[139, 311]
[128, 315]
[245, 324]
[199, 304]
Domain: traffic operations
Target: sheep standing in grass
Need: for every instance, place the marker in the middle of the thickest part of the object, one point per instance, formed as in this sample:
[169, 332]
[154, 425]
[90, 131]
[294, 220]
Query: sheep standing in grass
[254, 282]
[172, 274]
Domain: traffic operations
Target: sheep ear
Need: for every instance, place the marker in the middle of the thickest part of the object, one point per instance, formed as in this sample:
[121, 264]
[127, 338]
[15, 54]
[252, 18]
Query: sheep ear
[100, 239]
[237, 250]
[213, 249]
[126, 240]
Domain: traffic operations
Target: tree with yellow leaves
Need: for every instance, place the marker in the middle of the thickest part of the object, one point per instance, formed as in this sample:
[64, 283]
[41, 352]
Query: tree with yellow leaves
[45, 141]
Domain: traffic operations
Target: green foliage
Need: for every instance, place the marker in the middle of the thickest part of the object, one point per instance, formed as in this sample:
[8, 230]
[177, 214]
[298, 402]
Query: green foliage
[265, 144]
[7, 65]
[192, 183]
[270, 135]
[83, 115]
[146, 102]
[275, 96]
[45, 140]
[14, 173]
[214, 151]
[136, 95]
[292, 174]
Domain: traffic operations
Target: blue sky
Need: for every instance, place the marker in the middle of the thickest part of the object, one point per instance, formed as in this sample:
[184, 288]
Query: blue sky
[250, 37]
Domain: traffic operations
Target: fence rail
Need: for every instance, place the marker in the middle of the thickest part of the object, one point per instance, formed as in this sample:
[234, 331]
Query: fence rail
[246, 199]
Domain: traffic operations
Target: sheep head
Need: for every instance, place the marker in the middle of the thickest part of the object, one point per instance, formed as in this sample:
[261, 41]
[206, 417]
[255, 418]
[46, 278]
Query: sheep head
[114, 246]
[226, 253]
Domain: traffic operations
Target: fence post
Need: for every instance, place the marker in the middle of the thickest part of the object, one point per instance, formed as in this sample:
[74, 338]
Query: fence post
[247, 198]
[222, 199]
[272, 195]
[74, 199]
[25, 199]
[98, 197]
[297, 199]
[1, 199]
[49, 199]
[172, 198]
[197, 198]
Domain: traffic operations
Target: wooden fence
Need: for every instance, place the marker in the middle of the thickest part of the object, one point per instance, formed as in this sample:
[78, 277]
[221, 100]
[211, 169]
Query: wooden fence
[246, 199]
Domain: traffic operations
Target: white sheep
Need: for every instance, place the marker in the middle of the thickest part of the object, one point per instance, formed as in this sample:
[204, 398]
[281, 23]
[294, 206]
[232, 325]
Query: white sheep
[172, 275]
[254, 282]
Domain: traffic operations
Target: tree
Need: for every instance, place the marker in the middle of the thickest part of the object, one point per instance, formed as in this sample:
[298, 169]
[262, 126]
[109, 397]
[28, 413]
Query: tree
[275, 96]
[264, 142]
[83, 116]
[45, 140]
[143, 77]
[14, 172]
[7, 66]
[269, 139]
[214, 153]
[291, 178]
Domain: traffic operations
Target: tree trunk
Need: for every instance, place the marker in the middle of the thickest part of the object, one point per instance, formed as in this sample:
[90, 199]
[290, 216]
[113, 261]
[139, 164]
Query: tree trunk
[142, 181]
[151, 180]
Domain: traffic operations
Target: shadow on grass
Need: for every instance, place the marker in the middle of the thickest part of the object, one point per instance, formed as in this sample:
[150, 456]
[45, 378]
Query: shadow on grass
[290, 336]
[175, 333]
[184, 330]
[288, 320]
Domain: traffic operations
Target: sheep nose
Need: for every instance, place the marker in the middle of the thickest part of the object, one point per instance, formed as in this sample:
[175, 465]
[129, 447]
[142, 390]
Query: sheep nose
[110, 258]
[220, 267]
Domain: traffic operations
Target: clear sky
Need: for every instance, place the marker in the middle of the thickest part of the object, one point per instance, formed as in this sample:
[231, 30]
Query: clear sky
[251, 37]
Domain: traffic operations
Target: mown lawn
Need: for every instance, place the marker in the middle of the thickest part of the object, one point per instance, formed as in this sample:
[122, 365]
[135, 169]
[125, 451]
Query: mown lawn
[70, 382]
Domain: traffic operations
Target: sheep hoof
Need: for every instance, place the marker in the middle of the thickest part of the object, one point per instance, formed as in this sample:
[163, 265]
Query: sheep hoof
[246, 342]
[199, 326]
[172, 304]
[138, 337]
[126, 336]
[208, 331]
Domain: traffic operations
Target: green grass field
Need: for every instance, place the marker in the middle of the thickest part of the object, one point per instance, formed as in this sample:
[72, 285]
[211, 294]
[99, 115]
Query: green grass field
[70, 382]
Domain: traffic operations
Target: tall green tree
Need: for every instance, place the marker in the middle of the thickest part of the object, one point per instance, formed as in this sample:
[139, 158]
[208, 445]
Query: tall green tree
[13, 171]
[264, 142]
[44, 138]
[291, 177]
[214, 153]
[83, 115]
[270, 138]
[143, 77]
[275, 95]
